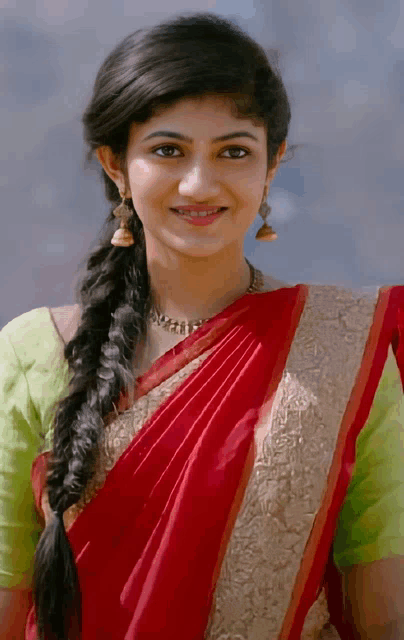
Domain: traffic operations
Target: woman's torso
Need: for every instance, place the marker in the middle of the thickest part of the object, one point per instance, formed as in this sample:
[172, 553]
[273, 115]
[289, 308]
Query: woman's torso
[267, 542]
[245, 605]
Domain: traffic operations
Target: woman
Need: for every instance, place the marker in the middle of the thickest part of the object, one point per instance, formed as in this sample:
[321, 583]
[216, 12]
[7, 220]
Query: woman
[192, 423]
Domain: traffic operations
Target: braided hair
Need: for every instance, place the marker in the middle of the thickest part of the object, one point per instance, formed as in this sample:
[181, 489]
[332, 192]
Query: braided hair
[187, 56]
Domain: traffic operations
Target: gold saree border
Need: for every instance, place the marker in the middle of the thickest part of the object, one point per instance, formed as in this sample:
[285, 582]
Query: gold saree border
[265, 410]
[309, 579]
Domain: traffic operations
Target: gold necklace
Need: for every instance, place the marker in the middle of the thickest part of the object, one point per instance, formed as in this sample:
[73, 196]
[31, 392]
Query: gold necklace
[185, 327]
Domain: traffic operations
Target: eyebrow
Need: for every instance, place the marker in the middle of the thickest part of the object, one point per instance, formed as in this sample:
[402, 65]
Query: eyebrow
[180, 136]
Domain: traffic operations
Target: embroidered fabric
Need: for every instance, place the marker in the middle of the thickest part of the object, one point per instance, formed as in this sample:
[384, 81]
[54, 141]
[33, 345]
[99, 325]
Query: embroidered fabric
[253, 589]
[294, 450]
[293, 446]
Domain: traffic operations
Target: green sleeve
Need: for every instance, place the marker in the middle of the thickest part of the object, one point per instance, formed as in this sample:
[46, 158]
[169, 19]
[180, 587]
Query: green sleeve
[371, 522]
[32, 376]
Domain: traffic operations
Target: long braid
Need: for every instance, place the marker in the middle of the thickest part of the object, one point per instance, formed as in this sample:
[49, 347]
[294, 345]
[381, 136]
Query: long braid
[114, 300]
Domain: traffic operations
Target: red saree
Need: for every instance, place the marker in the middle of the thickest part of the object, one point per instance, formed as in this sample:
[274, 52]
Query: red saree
[149, 546]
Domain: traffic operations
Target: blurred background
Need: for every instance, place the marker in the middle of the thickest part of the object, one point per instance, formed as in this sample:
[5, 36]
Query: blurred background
[337, 205]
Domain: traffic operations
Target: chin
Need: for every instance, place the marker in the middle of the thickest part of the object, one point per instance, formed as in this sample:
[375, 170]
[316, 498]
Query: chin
[197, 252]
[205, 248]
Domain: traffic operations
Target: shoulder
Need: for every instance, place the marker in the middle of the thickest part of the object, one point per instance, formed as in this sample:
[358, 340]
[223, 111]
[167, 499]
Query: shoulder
[343, 292]
[24, 332]
[35, 336]
[392, 295]
[26, 322]
[350, 308]
[324, 290]
[330, 299]
[32, 362]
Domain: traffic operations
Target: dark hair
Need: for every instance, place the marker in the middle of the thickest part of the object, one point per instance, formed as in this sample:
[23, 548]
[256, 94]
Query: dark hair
[188, 56]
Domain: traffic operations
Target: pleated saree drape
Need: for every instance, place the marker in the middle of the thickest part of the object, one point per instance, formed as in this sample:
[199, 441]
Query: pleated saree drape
[148, 546]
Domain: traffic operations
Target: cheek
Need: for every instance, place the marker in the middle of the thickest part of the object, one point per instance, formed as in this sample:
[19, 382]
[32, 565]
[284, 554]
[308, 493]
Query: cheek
[250, 189]
[141, 174]
[148, 185]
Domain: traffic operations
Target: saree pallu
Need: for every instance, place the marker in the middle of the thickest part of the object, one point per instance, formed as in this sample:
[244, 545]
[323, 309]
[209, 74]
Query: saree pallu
[149, 547]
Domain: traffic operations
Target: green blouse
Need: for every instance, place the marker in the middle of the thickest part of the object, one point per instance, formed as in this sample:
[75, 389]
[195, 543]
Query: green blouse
[34, 376]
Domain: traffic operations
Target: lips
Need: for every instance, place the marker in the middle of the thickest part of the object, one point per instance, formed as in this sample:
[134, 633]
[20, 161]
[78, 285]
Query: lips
[198, 211]
[198, 207]
[202, 218]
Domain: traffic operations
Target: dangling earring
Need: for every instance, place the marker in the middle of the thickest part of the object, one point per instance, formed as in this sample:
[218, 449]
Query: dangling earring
[123, 236]
[265, 233]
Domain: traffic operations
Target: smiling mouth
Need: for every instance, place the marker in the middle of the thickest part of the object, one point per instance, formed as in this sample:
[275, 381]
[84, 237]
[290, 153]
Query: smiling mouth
[199, 214]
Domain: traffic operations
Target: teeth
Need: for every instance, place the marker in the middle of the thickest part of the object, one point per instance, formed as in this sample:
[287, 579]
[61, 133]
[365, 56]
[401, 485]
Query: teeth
[197, 214]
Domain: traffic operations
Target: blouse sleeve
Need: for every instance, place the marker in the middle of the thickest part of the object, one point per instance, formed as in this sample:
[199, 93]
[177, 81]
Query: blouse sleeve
[371, 522]
[19, 442]
[32, 377]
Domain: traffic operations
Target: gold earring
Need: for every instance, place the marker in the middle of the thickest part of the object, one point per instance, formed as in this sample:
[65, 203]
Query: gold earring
[123, 236]
[265, 233]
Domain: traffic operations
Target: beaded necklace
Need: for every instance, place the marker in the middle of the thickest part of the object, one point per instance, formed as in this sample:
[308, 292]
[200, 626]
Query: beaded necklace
[185, 327]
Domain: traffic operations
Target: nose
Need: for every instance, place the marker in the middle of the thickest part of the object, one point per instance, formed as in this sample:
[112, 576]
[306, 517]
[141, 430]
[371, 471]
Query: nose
[199, 183]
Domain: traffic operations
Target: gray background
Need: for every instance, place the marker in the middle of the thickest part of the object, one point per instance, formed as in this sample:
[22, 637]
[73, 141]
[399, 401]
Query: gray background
[337, 205]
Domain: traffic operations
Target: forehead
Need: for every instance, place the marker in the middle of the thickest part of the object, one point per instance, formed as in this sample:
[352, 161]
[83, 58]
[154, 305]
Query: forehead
[205, 115]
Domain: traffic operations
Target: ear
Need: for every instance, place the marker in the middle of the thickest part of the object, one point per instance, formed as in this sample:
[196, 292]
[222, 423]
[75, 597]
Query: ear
[111, 166]
[272, 172]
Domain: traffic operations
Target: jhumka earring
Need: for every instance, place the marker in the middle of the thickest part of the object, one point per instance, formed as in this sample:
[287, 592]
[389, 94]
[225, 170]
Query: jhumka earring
[123, 236]
[265, 233]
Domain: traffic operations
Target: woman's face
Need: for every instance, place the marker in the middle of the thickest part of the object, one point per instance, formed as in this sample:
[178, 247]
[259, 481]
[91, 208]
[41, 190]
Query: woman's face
[196, 154]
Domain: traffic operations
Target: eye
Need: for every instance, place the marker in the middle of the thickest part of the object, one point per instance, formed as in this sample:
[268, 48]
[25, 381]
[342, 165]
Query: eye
[234, 152]
[166, 148]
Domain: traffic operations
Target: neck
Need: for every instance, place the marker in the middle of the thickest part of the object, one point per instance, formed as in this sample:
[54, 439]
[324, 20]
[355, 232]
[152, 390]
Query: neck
[189, 288]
